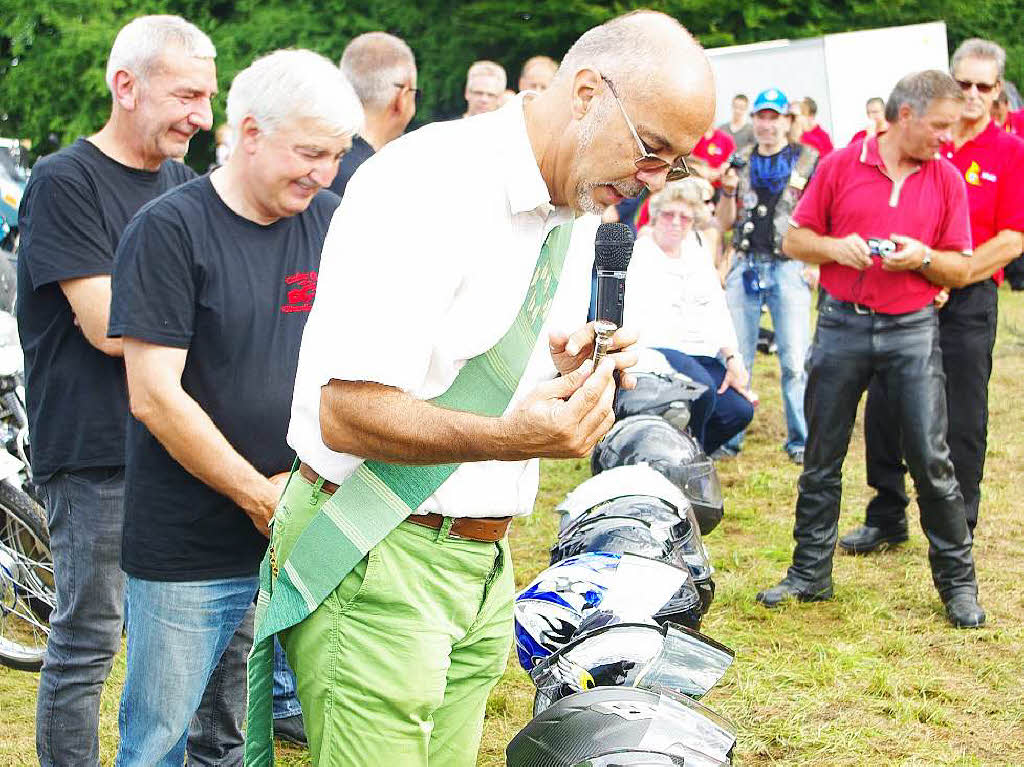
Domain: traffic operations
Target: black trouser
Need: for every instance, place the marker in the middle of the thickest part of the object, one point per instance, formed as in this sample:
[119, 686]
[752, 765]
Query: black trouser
[850, 349]
[967, 333]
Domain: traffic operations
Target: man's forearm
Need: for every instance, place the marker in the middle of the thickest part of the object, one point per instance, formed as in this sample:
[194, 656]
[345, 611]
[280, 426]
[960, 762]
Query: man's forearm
[725, 211]
[991, 256]
[382, 423]
[807, 246]
[948, 269]
[193, 440]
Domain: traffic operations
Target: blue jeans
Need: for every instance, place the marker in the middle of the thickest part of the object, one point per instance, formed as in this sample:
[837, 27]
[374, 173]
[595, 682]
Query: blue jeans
[785, 292]
[187, 645]
[715, 418]
[85, 512]
[286, 702]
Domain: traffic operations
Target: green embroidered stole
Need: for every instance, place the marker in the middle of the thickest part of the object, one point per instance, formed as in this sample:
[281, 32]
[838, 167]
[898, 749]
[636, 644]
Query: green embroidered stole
[375, 499]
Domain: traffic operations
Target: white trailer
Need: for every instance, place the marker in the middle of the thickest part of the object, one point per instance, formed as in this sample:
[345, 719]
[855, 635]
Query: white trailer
[840, 72]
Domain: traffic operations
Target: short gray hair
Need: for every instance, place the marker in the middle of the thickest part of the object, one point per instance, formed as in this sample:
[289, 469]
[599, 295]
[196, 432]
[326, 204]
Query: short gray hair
[976, 48]
[142, 41]
[293, 84]
[375, 63]
[919, 89]
[489, 68]
[689, 191]
[620, 49]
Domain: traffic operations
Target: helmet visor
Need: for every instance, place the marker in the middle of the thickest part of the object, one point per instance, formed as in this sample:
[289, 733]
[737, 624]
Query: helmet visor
[699, 482]
[632, 655]
[633, 759]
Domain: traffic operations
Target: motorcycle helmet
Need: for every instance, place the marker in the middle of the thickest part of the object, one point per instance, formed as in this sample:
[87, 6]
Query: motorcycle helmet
[548, 612]
[677, 455]
[632, 655]
[627, 535]
[622, 481]
[661, 394]
[617, 726]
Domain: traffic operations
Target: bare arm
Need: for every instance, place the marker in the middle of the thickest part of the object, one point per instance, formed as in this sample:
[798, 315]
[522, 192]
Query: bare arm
[995, 254]
[561, 418]
[90, 302]
[187, 433]
[948, 269]
[808, 246]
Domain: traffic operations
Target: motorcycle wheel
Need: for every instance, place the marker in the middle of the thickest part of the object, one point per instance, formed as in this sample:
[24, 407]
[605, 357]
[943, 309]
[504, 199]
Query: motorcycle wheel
[27, 595]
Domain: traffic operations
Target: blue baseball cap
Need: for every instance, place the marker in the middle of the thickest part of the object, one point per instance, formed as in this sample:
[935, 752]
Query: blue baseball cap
[773, 99]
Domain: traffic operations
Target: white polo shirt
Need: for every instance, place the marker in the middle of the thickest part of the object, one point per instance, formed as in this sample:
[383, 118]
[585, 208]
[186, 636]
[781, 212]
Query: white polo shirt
[426, 264]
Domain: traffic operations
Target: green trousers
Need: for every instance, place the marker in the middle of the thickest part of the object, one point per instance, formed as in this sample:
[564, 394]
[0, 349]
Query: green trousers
[395, 666]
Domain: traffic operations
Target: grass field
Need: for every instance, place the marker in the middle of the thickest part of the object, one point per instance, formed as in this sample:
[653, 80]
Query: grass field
[874, 677]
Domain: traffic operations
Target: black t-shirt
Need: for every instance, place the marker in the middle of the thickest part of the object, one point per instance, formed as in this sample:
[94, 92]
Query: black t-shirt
[360, 152]
[192, 274]
[77, 204]
[769, 176]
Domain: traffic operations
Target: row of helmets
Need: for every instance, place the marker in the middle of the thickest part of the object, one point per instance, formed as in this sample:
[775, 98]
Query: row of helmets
[609, 633]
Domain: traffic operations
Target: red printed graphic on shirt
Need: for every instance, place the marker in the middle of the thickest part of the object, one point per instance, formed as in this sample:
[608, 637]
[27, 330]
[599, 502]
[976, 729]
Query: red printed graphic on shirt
[301, 295]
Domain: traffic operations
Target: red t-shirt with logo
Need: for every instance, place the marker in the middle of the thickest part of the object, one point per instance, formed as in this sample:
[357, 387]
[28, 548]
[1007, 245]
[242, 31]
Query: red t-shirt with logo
[992, 165]
[818, 138]
[851, 193]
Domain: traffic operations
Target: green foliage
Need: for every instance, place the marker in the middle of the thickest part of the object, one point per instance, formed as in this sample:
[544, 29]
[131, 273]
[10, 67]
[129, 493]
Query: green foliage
[53, 52]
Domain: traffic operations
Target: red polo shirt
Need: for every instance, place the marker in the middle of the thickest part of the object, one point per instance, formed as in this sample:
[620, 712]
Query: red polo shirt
[860, 136]
[992, 164]
[850, 193]
[715, 150]
[818, 138]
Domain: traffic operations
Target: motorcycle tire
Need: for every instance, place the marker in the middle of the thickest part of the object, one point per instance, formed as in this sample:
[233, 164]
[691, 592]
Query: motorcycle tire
[25, 515]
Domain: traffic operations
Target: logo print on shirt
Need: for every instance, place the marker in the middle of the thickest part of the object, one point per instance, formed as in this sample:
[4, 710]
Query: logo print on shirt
[300, 297]
[972, 175]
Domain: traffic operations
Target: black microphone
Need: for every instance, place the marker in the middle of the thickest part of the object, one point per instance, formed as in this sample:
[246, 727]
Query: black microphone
[612, 250]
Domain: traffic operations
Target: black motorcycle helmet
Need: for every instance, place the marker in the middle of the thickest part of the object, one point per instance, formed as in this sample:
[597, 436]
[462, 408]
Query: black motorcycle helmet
[613, 726]
[677, 455]
[661, 394]
[627, 535]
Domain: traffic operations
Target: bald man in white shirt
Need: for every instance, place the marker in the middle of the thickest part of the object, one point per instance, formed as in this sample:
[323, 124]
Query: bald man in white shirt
[396, 663]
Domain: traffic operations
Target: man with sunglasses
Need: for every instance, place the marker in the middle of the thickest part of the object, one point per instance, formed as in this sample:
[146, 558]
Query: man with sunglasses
[428, 370]
[991, 163]
[382, 70]
[756, 202]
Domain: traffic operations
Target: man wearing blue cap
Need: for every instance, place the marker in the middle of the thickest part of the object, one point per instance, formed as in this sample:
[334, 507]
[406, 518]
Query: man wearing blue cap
[758, 198]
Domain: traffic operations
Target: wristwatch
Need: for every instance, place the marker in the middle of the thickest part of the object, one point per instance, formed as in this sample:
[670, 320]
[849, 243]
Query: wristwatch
[927, 259]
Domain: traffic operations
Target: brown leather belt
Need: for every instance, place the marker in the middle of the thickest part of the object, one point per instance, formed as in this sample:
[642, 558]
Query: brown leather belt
[487, 529]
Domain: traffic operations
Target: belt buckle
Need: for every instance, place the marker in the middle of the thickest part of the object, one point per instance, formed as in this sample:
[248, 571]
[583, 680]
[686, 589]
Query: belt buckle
[861, 309]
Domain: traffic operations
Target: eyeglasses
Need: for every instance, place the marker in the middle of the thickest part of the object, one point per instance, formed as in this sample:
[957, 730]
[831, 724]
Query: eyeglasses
[671, 216]
[965, 85]
[417, 93]
[648, 161]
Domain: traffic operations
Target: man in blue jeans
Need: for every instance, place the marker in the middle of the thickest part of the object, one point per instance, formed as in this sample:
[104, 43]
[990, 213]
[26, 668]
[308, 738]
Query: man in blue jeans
[161, 75]
[212, 285]
[759, 193]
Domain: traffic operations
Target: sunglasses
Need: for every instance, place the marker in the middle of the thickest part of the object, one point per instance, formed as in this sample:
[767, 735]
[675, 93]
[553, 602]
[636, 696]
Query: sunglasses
[417, 93]
[648, 161]
[965, 85]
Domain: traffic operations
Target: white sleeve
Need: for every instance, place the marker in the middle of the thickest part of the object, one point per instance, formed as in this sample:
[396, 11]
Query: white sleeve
[723, 329]
[384, 284]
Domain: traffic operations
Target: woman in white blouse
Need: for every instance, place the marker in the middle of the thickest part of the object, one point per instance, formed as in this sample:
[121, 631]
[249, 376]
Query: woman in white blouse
[674, 299]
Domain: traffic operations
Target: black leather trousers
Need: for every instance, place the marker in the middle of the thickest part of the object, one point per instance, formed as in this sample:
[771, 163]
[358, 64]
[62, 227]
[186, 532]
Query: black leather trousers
[967, 334]
[849, 349]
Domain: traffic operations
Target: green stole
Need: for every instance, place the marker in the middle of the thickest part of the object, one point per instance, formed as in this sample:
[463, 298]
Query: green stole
[378, 496]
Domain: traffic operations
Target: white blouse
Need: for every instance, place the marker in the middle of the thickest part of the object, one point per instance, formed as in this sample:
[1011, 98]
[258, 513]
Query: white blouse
[677, 303]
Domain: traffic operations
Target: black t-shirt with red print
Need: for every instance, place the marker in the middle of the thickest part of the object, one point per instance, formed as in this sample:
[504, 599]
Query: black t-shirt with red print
[192, 274]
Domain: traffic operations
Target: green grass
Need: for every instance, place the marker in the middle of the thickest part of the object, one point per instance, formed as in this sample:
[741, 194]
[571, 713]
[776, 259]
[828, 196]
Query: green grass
[874, 677]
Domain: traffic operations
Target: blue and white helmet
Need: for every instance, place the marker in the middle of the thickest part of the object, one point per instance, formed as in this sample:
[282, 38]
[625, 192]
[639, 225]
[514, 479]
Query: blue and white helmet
[549, 611]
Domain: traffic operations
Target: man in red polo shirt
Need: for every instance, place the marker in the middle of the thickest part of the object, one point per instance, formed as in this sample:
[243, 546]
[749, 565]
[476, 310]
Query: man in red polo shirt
[878, 319]
[814, 135]
[714, 148]
[991, 163]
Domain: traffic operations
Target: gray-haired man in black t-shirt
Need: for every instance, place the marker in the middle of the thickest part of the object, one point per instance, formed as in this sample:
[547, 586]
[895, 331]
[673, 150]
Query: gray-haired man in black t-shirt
[211, 289]
[161, 76]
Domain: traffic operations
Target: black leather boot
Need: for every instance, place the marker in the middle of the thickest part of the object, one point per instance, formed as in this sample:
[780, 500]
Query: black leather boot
[791, 588]
[866, 539]
[964, 612]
